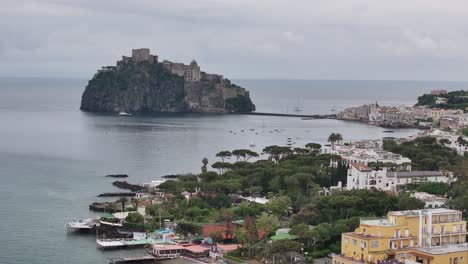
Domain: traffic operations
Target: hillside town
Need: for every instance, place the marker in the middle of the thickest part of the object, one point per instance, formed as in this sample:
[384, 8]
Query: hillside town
[421, 116]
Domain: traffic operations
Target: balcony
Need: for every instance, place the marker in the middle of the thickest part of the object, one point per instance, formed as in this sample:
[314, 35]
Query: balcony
[449, 233]
[347, 259]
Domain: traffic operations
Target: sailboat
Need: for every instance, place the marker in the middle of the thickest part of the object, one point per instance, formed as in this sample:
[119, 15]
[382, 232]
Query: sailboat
[297, 108]
[334, 108]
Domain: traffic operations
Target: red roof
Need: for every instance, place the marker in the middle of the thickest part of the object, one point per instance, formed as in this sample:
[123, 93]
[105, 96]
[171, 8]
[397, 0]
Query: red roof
[361, 166]
[144, 203]
[196, 249]
[228, 248]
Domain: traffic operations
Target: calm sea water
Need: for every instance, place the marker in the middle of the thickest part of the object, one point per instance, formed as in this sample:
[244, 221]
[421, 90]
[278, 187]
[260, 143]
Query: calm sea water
[53, 157]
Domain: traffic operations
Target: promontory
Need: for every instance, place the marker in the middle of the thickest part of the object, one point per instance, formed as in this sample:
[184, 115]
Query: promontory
[141, 83]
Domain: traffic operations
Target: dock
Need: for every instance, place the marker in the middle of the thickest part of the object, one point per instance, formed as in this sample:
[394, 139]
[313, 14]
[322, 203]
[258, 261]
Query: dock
[138, 259]
[115, 243]
[324, 116]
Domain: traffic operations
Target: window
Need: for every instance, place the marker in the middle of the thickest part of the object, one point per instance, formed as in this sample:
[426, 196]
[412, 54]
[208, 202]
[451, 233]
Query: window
[397, 233]
[354, 242]
[345, 240]
[363, 244]
[374, 244]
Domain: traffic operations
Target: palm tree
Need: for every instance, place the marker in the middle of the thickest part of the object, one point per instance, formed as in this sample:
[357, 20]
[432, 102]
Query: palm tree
[205, 162]
[332, 139]
[123, 201]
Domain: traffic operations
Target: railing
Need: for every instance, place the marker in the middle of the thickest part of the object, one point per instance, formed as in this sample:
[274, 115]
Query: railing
[435, 221]
[347, 259]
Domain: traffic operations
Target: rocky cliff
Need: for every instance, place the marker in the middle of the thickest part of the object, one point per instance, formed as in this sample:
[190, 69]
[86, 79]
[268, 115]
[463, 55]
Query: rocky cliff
[143, 86]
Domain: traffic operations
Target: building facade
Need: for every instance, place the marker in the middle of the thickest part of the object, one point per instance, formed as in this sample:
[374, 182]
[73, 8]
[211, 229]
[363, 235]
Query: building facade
[433, 236]
[360, 176]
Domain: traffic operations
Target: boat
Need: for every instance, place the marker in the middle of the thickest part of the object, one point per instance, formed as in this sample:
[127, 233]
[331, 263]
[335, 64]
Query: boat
[252, 145]
[82, 225]
[388, 131]
[334, 108]
[297, 109]
[122, 113]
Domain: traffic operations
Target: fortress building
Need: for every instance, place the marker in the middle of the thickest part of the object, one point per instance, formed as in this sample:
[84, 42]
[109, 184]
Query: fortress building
[189, 72]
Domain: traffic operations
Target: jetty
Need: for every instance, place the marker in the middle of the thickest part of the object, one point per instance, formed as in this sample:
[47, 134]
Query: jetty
[317, 116]
[138, 259]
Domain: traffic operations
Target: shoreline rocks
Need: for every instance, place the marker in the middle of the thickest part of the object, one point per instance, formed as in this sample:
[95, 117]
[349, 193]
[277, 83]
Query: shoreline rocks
[117, 176]
[128, 186]
[117, 194]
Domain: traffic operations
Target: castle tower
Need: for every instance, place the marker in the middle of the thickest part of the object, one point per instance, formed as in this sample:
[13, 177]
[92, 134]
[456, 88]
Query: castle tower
[195, 73]
[139, 55]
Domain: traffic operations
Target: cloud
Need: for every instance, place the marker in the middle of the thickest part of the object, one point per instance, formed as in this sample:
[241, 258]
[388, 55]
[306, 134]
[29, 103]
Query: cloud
[350, 39]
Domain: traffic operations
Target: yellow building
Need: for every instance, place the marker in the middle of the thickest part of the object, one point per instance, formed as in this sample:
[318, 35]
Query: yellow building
[433, 236]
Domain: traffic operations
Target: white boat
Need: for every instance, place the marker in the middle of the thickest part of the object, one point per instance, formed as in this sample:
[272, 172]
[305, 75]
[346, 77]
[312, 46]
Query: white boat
[252, 145]
[122, 113]
[82, 225]
[297, 109]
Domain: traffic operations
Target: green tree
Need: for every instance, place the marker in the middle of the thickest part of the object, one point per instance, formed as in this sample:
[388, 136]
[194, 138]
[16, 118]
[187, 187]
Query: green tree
[406, 202]
[334, 138]
[279, 205]
[188, 229]
[268, 223]
[135, 218]
[223, 155]
[276, 152]
[123, 201]
[244, 154]
[205, 163]
[222, 167]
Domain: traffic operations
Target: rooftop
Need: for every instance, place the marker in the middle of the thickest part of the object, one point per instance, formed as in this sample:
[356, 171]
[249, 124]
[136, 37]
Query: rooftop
[361, 166]
[425, 211]
[409, 174]
[376, 222]
[446, 249]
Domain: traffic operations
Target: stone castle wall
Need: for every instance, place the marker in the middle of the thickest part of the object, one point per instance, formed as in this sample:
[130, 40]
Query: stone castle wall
[189, 72]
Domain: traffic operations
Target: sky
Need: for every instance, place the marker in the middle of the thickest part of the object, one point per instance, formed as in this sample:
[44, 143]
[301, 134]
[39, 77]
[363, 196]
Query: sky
[241, 39]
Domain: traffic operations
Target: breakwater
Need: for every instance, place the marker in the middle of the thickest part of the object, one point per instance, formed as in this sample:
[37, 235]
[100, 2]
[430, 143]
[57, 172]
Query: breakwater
[317, 116]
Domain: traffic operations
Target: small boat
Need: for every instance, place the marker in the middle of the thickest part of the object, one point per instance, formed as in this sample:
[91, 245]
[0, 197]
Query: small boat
[334, 108]
[388, 131]
[122, 113]
[252, 145]
[297, 109]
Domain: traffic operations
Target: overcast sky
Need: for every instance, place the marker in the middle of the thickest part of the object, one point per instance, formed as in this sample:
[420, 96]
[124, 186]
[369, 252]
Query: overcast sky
[290, 39]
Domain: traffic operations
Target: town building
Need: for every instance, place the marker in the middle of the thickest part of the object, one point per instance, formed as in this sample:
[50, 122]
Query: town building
[360, 176]
[437, 113]
[438, 92]
[354, 153]
[432, 236]
[430, 200]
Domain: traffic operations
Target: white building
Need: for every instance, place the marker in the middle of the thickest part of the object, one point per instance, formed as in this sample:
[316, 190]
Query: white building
[360, 176]
[430, 200]
[354, 154]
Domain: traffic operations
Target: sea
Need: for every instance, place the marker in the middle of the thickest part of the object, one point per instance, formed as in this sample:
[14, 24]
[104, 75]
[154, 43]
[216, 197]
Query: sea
[53, 157]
